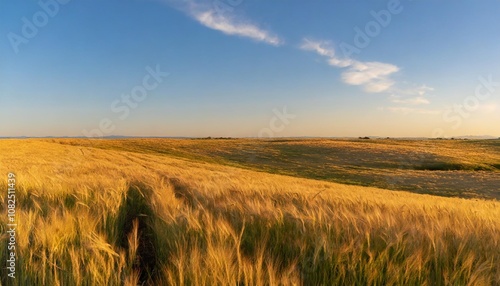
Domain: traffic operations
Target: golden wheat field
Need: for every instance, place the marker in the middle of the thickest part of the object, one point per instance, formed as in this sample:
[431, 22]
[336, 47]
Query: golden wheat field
[162, 212]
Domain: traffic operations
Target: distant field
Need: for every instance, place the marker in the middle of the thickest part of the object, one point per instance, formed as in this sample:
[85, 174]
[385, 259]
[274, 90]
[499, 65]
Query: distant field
[208, 212]
[462, 168]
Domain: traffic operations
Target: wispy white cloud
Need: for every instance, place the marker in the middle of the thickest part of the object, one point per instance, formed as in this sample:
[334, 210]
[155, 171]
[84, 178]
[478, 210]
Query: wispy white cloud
[412, 110]
[411, 100]
[322, 48]
[373, 76]
[325, 49]
[213, 18]
[411, 95]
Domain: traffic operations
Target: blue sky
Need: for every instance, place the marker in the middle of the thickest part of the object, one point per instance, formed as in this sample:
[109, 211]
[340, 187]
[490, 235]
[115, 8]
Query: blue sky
[249, 68]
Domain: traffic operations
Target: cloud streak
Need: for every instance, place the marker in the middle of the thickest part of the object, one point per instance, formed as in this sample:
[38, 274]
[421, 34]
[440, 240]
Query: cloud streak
[374, 77]
[411, 110]
[411, 101]
[215, 19]
[411, 96]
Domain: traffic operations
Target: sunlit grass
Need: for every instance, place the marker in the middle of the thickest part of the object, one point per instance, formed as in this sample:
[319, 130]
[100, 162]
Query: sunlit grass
[88, 216]
[437, 167]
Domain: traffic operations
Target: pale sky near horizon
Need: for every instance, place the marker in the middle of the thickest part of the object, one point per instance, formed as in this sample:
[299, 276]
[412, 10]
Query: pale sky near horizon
[339, 68]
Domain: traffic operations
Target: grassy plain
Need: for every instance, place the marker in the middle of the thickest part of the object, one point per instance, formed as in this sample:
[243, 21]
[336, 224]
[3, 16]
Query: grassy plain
[457, 168]
[250, 212]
